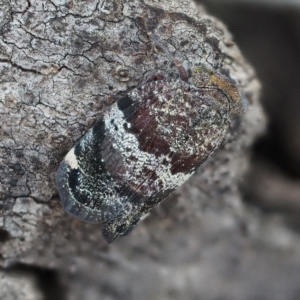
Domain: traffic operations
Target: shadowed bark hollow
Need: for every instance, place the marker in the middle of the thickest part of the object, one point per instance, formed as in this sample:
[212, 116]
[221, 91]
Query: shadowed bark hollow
[61, 64]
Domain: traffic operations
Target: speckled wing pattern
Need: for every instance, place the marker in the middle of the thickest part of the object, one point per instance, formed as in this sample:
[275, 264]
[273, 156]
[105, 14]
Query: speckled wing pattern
[140, 150]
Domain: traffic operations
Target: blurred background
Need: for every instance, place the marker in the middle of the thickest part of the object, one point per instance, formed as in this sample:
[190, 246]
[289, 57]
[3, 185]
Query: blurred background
[268, 34]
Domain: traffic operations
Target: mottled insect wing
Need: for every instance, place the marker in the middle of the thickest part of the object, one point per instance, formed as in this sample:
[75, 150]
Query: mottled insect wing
[140, 150]
[131, 215]
[104, 176]
[86, 189]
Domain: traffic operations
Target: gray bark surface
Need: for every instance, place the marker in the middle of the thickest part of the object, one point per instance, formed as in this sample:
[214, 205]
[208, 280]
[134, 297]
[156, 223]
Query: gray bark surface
[61, 65]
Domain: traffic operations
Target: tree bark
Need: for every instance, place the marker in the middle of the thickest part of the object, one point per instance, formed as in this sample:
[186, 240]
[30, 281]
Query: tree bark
[61, 65]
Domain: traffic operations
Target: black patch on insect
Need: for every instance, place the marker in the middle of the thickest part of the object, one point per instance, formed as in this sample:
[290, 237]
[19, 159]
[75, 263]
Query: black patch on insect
[125, 125]
[77, 149]
[99, 130]
[74, 185]
[125, 104]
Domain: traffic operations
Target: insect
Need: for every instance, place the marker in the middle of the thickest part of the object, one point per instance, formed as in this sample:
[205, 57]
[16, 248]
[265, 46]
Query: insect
[146, 145]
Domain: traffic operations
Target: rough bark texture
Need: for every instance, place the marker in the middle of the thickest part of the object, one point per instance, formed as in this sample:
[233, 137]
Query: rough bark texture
[61, 64]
